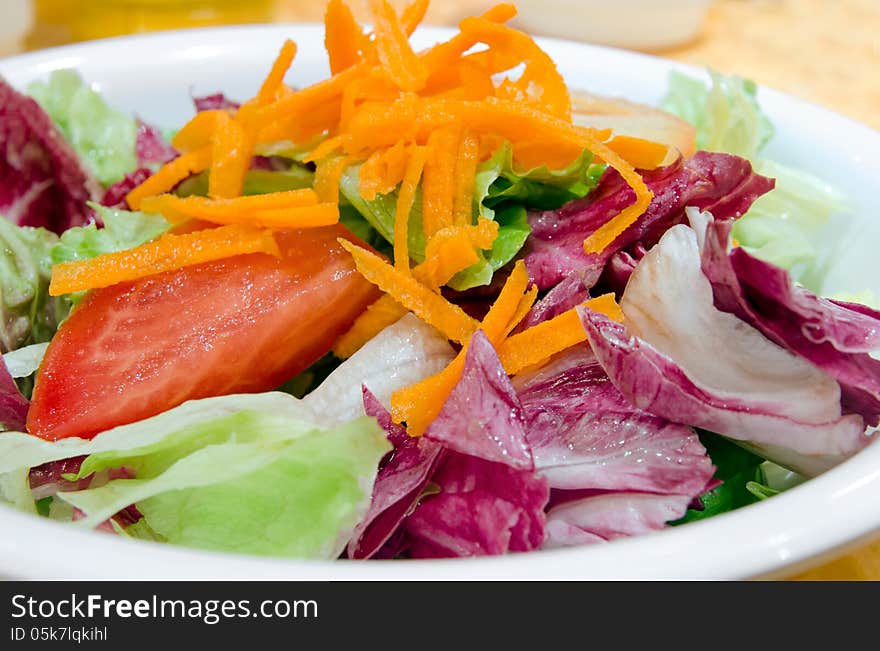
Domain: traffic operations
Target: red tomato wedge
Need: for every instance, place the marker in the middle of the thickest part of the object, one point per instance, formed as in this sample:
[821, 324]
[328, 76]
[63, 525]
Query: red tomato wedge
[240, 325]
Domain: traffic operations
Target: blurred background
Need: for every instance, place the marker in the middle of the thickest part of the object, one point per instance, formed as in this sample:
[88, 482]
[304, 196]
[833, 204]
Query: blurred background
[825, 51]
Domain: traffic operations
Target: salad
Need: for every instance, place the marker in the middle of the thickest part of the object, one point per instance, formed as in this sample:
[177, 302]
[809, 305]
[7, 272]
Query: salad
[435, 305]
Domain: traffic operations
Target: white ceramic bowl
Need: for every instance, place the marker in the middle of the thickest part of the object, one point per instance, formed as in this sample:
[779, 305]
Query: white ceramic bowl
[152, 77]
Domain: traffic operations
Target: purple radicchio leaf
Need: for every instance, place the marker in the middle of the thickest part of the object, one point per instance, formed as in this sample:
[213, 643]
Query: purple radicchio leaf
[42, 181]
[482, 416]
[214, 102]
[835, 336]
[13, 405]
[723, 183]
[569, 293]
[585, 434]
[115, 195]
[151, 147]
[607, 516]
[399, 485]
[686, 361]
[483, 508]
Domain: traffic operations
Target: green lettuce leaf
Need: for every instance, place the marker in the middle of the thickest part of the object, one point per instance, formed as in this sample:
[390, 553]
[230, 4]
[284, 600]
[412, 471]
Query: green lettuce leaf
[15, 490]
[103, 137]
[22, 362]
[122, 230]
[254, 473]
[541, 188]
[500, 193]
[783, 227]
[28, 315]
[726, 113]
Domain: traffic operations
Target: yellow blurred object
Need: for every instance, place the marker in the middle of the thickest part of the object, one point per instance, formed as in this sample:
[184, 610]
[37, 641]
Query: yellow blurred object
[62, 21]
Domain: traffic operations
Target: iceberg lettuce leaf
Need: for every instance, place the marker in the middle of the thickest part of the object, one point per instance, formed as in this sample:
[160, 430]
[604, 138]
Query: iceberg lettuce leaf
[103, 137]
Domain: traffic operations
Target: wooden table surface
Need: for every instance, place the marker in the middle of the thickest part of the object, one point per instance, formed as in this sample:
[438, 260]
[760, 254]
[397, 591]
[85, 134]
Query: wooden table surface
[825, 51]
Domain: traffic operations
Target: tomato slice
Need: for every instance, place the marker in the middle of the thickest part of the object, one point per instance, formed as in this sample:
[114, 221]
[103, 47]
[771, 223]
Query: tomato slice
[239, 325]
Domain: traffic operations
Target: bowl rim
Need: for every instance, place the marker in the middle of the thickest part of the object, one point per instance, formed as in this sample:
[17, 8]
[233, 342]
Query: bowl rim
[721, 547]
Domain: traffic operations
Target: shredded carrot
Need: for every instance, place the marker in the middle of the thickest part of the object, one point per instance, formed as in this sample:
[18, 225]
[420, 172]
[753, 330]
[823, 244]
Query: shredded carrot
[374, 320]
[325, 148]
[404, 205]
[429, 306]
[291, 209]
[167, 253]
[419, 404]
[446, 253]
[515, 121]
[540, 342]
[195, 207]
[342, 36]
[169, 175]
[198, 132]
[230, 158]
[302, 102]
[328, 174]
[413, 14]
[447, 53]
[275, 79]
[465, 171]
[383, 171]
[540, 80]
[525, 306]
[438, 186]
[395, 53]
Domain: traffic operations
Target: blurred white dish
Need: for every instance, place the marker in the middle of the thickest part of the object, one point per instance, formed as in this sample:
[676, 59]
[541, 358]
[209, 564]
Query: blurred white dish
[152, 76]
[633, 24]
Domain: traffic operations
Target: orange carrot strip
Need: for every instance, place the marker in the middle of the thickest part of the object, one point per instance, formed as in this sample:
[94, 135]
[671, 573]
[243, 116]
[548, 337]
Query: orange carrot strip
[231, 157]
[540, 75]
[300, 103]
[328, 173]
[342, 36]
[383, 171]
[167, 253]
[197, 132]
[465, 171]
[405, 199]
[447, 53]
[170, 174]
[540, 342]
[446, 253]
[641, 154]
[438, 190]
[327, 147]
[204, 208]
[419, 404]
[374, 320]
[498, 320]
[515, 121]
[395, 53]
[525, 307]
[275, 78]
[306, 215]
[413, 14]
[429, 306]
